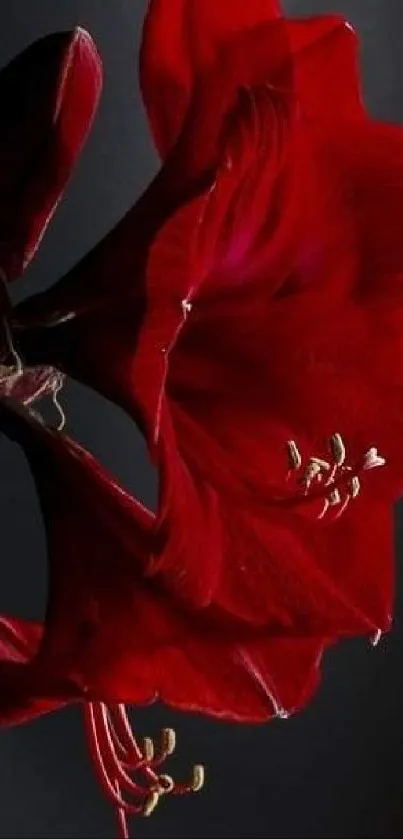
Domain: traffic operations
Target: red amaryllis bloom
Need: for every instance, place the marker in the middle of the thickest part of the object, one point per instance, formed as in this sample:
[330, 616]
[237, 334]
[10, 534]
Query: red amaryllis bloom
[112, 633]
[245, 314]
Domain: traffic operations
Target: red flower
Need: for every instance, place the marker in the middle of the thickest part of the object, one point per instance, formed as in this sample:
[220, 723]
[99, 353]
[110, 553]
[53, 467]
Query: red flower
[245, 314]
[247, 301]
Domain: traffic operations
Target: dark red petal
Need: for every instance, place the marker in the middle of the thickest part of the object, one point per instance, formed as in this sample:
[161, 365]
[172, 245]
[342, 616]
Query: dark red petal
[113, 635]
[21, 698]
[180, 43]
[326, 67]
[368, 160]
[249, 682]
[48, 97]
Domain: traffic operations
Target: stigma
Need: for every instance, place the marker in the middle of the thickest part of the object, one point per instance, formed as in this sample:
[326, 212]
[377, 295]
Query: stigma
[335, 480]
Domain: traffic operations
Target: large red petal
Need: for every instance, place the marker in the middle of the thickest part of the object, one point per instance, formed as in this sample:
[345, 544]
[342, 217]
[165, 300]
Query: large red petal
[113, 635]
[48, 97]
[181, 41]
[245, 682]
[327, 68]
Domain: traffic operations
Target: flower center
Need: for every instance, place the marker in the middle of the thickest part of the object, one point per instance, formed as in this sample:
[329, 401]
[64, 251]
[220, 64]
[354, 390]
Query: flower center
[335, 480]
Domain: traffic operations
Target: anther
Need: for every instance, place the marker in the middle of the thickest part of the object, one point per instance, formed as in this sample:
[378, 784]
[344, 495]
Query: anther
[197, 780]
[334, 498]
[372, 459]
[168, 741]
[355, 485]
[312, 471]
[151, 802]
[166, 784]
[148, 749]
[294, 455]
[341, 481]
[337, 449]
[323, 465]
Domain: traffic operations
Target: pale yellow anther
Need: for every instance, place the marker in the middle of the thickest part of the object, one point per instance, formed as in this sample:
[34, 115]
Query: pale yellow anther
[151, 802]
[148, 749]
[168, 741]
[337, 449]
[312, 471]
[355, 486]
[323, 465]
[166, 784]
[334, 498]
[294, 455]
[197, 781]
[372, 459]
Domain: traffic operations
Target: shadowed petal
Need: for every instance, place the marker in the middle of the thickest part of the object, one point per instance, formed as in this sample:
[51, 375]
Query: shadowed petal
[22, 696]
[48, 97]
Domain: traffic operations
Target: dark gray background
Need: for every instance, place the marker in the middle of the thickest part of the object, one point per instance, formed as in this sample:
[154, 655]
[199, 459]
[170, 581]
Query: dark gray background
[337, 769]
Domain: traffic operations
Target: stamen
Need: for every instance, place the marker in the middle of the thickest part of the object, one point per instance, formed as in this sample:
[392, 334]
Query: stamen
[115, 753]
[343, 506]
[372, 459]
[294, 455]
[334, 498]
[150, 803]
[168, 741]
[166, 784]
[148, 749]
[197, 782]
[343, 482]
[355, 486]
[337, 449]
[311, 472]
[324, 509]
